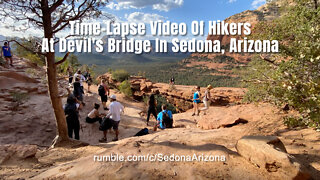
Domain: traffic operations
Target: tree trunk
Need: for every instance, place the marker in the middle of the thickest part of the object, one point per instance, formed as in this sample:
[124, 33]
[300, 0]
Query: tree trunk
[62, 132]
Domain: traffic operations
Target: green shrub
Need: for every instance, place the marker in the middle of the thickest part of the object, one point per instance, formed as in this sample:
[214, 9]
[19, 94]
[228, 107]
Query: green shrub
[19, 97]
[125, 88]
[161, 100]
[120, 75]
[293, 122]
[2, 61]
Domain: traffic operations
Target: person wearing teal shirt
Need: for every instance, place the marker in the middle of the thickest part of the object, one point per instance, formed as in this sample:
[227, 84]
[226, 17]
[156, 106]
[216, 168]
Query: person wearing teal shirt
[196, 101]
[161, 118]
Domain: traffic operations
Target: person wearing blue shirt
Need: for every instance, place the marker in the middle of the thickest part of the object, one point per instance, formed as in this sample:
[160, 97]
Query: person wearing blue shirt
[6, 52]
[160, 118]
[196, 101]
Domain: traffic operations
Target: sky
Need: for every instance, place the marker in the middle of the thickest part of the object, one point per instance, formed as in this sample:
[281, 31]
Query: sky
[174, 10]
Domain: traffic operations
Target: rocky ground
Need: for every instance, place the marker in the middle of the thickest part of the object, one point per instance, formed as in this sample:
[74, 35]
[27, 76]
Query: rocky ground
[28, 127]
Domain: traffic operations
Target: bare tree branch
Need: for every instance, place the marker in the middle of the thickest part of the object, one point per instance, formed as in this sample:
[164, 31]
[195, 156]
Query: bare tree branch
[27, 48]
[63, 59]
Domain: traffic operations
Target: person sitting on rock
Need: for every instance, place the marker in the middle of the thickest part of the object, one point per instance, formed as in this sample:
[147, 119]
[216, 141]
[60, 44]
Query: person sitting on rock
[206, 99]
[72, 116]
[115, 110]
[196, 101]
[94, 115]
[152, 109]
[164, 119]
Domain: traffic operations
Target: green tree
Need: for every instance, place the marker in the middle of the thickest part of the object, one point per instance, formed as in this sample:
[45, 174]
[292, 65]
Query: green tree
[292, 76]
[22, 52]
[51, 17]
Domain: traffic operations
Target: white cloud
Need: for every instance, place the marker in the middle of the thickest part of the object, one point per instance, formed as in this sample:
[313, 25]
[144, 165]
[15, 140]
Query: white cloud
[256, 3]
[161, 5]
[143, 17]
[231, 1]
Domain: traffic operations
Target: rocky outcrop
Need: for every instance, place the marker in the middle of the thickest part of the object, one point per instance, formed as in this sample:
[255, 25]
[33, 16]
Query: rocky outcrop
[222, 64]
[178, 95]
[15, 151]
[269, 153]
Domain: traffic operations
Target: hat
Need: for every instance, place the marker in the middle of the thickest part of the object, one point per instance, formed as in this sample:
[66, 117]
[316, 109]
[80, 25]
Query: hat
[113, 97]
[209, 86]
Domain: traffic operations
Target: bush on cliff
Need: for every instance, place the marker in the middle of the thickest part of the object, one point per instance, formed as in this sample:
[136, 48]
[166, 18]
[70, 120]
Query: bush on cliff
[125, 88]
[120, 75]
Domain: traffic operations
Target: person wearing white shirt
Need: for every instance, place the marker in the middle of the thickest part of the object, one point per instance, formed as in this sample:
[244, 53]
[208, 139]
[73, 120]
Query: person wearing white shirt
[81, 77]
[115, 110]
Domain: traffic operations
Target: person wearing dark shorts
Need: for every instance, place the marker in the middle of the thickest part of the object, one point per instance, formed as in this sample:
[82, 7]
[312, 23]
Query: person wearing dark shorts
[6, 52]
[152, 108]
[104, 91]
[115, 125]
[115, 110]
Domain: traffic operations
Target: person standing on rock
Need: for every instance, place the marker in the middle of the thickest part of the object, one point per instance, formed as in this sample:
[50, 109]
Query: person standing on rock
[6, 52]
[196, 101]
[72, 117]
[206, 99]
[87, 75]
[104, 92]
[77, 90]
[152, 109]
[115, 110]
[81, 78]
[70, 74]
[172, 80]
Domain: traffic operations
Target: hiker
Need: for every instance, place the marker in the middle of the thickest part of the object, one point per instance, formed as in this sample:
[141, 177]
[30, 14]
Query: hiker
[87, 75]
[70, 75]
[6, 52]
[77, 90]
[104, 92]
[72, 116]
[81, 78]
[196, 101]
[152, 109]
[172, 80]
[164, 119]
[206, 99]
[115, 109]
[94, 115]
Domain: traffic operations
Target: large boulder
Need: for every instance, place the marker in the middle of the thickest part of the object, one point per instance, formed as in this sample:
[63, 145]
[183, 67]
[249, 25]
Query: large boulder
[269, 153]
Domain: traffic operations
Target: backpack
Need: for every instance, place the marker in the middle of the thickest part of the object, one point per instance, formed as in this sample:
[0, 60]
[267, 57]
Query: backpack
[70, 110]
[142, 132]
[101, 91]
[166, 120]
[106, 124]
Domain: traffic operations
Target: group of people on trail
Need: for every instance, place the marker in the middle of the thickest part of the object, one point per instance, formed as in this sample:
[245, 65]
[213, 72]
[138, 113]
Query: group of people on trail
[108, 120]
[111, 119]
[197, 100]
[7, 54]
